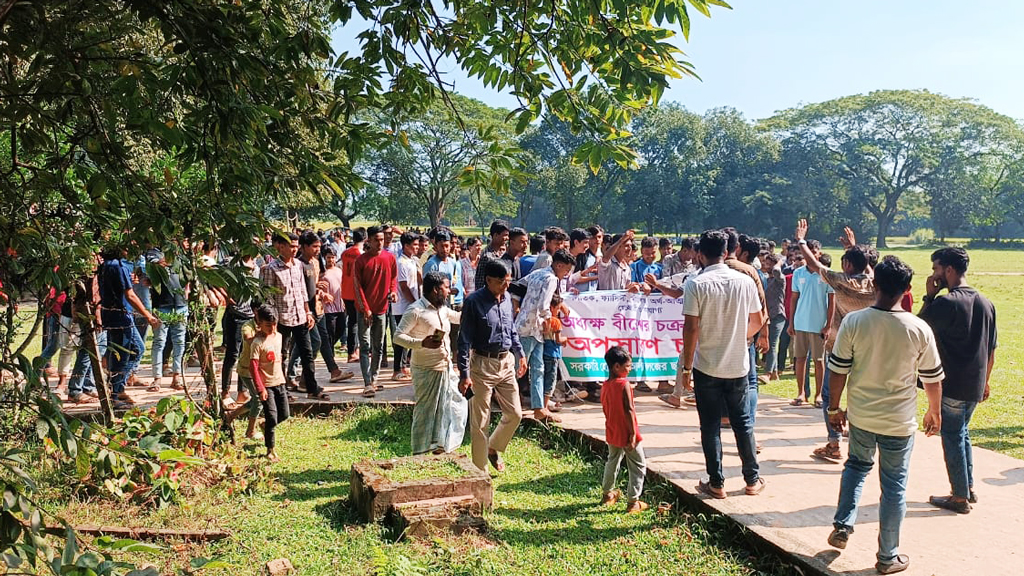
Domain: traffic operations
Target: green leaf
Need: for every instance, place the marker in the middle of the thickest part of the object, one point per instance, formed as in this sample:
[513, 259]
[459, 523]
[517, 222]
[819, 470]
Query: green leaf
[70, 547]
[179, 456]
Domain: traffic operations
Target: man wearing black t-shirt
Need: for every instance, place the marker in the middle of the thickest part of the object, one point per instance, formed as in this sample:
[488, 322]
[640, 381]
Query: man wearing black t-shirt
[964, 323]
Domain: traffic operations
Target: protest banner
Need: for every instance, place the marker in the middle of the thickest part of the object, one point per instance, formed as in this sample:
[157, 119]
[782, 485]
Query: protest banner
[650, 328]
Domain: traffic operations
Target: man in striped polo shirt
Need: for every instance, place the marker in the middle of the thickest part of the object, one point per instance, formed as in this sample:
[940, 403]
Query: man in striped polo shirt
[879, 354]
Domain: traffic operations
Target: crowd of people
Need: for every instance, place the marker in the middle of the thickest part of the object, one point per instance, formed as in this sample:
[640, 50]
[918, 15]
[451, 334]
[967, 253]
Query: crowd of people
[473, 321]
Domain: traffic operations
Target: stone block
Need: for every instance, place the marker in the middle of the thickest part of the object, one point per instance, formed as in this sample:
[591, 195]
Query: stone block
[372, 493]
[423, 518]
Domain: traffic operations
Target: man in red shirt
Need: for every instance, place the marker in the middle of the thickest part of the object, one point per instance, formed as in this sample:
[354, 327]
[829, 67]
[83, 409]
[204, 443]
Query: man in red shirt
[348, 291]
[376, 286]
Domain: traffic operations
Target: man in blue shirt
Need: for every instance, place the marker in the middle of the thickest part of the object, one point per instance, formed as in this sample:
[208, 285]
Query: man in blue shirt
[448, 264]
[813, 308]
[490, 359]
[117, 299]
[646, 264]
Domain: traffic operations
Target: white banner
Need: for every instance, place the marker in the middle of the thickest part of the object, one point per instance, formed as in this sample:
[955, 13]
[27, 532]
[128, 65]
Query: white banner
[650, 328]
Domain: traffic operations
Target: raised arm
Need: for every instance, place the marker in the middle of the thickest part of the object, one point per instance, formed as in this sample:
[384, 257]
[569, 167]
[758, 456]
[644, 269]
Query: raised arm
[812, 263]
[614, 248]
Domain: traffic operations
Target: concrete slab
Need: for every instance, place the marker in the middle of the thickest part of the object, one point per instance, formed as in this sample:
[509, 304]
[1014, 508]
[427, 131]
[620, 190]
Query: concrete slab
[794, 513]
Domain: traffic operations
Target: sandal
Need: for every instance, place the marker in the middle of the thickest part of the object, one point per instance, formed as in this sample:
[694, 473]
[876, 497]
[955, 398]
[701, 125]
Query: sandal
[153, 388]
[828, 452]
[125, 399]
[177, 386]
[369, 392]
[796, 402]
[318, 396]
[709, 490]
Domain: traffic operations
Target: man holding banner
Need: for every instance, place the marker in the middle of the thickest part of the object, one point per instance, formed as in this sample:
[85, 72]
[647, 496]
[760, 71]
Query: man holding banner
[722, 312]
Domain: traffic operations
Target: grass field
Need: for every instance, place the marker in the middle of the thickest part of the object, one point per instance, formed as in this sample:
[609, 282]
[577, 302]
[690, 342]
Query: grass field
[546, 520]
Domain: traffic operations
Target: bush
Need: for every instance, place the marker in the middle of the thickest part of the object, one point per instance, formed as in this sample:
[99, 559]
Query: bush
[922, 237]
[150, 456]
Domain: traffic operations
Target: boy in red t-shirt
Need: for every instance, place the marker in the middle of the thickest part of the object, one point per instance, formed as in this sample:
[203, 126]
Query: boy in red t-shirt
[622, 433]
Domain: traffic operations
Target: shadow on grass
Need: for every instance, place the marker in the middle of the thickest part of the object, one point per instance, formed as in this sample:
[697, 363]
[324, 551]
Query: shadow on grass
[388, 426]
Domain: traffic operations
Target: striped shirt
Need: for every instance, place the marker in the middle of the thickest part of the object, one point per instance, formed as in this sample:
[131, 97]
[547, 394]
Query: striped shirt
[884, 352]
[723, 299]
[289, 299]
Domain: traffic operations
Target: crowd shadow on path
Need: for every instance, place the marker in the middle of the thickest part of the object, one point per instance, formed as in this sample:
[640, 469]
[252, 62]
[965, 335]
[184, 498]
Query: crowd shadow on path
[1009, 478]
[821, 516]
[826, 557]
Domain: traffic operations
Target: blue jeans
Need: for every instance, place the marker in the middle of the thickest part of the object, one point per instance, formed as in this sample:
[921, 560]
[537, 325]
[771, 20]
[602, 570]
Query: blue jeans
[533, 351]
[51, 331]
[177, 334]
[775, 329]
[123, 348]
[833, 434]
[550, 374]
[711, 394]
[81, 375]
[893, 468]
[752, 385]
[956, 445]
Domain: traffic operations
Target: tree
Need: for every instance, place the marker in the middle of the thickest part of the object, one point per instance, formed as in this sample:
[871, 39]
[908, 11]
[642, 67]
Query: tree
[739, 167]
[669, 188]
[441, 155]
[888, 143]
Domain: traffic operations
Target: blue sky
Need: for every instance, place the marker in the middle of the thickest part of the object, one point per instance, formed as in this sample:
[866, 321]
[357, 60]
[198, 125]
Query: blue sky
[769, 55]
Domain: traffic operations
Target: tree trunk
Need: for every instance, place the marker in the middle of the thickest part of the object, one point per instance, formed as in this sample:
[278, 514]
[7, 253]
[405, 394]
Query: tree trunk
[204, 348]
[884, 223]
[435, 210]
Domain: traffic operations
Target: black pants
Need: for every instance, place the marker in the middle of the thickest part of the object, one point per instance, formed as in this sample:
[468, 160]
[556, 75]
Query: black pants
[336, 327]
[275, 411]
[232, 324]
[326, 345]
[300, 335]
[351, 326]
[402, 356]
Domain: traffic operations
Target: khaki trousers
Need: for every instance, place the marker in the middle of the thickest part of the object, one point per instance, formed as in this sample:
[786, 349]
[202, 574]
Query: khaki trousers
[493, 377]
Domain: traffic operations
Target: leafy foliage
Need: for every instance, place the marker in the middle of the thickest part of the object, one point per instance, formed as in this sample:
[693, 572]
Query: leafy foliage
[890, 144]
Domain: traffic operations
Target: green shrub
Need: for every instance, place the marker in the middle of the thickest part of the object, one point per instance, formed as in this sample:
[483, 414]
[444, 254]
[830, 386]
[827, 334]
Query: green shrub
[922, 237]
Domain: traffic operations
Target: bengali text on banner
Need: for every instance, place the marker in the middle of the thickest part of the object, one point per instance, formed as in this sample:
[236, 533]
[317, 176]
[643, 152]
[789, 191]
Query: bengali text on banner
[650, 328]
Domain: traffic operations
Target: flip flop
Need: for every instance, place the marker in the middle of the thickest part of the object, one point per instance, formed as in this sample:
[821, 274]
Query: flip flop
[153, 388]
[320, 396]
[796, 402]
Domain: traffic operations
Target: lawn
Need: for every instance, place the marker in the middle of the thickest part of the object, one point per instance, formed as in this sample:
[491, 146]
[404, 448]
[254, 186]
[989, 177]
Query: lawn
[546, 518]
[997, 423]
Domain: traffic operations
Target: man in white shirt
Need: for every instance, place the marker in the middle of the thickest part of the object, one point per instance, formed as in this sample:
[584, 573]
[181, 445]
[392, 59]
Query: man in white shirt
[881, 352]
[408, 292]
[722, 312]
[534, 310]
[424, 329]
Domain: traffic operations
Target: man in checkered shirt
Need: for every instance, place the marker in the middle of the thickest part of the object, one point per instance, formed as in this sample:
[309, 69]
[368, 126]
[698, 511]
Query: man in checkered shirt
[290, 302]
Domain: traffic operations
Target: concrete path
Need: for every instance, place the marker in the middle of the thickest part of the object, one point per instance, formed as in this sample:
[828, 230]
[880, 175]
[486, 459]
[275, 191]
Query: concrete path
[794, 513]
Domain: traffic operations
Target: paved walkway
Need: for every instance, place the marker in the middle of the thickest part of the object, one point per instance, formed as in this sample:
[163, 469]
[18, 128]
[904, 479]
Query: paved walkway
[795, 511]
